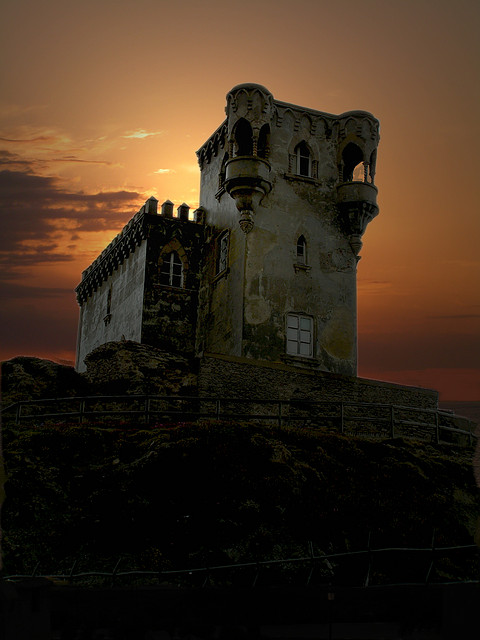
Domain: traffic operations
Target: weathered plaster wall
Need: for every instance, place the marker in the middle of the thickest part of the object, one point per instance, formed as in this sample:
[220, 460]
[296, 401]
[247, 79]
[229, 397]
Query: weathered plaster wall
[126, 284]
[246, 311]
[230, 377]
[221, 297]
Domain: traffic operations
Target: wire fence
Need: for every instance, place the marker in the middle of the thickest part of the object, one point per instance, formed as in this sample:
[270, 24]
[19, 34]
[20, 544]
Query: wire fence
[354, 418]
[369, 567]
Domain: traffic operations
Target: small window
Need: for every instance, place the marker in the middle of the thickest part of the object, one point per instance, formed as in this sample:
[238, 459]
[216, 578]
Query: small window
[222, 255]
[108, 310]
[171, 272]
[223, 172]
[299, 335]
[263, 146]
[353, 169]
[243, 138]
[109, 301]
[304, 160]
[301, 250]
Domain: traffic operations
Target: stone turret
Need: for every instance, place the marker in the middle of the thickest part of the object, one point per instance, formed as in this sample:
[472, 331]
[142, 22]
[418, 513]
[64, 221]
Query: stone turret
[299, 186]
[249, 110]
[357, 154]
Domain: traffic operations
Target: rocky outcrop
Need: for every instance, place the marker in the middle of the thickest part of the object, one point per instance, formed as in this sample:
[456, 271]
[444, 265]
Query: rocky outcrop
[124, 367]
[27, 378]
[132, 368]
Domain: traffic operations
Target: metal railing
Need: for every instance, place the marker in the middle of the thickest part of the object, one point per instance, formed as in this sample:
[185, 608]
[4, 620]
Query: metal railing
[352, 418]
[327, 565]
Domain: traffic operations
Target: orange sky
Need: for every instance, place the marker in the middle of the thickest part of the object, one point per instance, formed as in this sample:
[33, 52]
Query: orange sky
[104, 103]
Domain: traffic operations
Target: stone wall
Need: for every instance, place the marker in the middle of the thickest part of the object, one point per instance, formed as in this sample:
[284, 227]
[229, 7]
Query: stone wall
[169, 316]
[114, 309]
[233, 377]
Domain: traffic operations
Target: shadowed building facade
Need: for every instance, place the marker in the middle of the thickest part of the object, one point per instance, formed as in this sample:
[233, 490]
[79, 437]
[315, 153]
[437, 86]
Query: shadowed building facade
[266, 270]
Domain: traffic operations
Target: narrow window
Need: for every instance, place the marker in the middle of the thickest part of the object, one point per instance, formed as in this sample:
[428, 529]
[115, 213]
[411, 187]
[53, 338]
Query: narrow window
[301, 250]
[304, 160]
[108, 311]
[352, 157]
[299, 335]
[171, 272]
[223, 171]
[263, 146]
[109, 301]
[243, 138]
[222, 255]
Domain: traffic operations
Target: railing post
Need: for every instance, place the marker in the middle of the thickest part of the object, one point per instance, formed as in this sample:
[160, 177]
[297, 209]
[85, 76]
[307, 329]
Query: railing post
[342, 424]
[432, 561]
[82, 410]
[437, 428]
[147, 410]
[392, 421]
[369, 569]
[217, 408]
[18, 412]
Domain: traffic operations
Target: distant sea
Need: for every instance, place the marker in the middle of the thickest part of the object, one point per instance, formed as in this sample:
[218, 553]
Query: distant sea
[468, 409]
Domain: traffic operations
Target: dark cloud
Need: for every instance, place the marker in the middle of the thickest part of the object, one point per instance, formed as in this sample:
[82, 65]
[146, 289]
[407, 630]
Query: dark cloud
[74, 159]
[30, 140]
[31, 207]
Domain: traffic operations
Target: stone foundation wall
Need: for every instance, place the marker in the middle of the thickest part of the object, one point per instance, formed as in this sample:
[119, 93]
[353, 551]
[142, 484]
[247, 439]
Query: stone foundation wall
[233, 377]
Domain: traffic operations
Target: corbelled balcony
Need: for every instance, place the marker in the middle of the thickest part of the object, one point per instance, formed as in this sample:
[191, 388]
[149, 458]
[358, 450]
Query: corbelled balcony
[357, 205]
[247, 180]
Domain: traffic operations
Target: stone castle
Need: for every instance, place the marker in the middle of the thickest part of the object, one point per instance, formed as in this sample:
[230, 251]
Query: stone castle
[266, 269]
[258, 287]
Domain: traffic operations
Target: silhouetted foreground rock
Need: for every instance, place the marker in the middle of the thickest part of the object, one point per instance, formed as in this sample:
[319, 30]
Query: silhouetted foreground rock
[27, 378]
[123, 367]
[216, 493]
[130, 367]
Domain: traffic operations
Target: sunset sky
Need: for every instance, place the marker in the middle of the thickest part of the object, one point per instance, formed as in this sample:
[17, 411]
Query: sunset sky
[104, 103]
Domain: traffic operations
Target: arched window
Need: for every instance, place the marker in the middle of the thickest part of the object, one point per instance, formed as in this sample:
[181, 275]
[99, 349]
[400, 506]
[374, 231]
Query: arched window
[301, 250]
[171, 272]
[243, 138]
[299, 335]
[304, 160]
[223, 171]
[263, 141]
[352, 157]
[222, 252]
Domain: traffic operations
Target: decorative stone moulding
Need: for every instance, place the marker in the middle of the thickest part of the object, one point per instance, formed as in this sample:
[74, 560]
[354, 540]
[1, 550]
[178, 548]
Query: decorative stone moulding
[247, 182]
[357, 205]
[357, 192]
[250, 100]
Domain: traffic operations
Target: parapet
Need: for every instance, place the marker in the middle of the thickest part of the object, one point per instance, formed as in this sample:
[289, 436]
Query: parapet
[129, 238]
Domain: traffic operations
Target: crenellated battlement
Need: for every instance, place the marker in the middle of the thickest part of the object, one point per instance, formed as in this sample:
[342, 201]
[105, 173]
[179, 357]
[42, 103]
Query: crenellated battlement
[130, 237]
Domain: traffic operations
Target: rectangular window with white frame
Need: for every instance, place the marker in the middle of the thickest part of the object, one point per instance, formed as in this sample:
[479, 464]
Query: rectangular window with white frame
[299, 335]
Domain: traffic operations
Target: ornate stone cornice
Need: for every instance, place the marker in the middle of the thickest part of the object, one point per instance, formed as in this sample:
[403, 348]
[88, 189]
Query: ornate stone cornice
[215, 143]
[321, 125]
[125, 243]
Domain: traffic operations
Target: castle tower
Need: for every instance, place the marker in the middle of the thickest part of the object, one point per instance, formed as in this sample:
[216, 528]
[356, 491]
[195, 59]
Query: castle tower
[288, 193]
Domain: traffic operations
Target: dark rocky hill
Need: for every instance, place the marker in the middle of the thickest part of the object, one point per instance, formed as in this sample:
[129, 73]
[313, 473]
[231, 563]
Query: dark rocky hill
[217, 493]
[113, 368]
